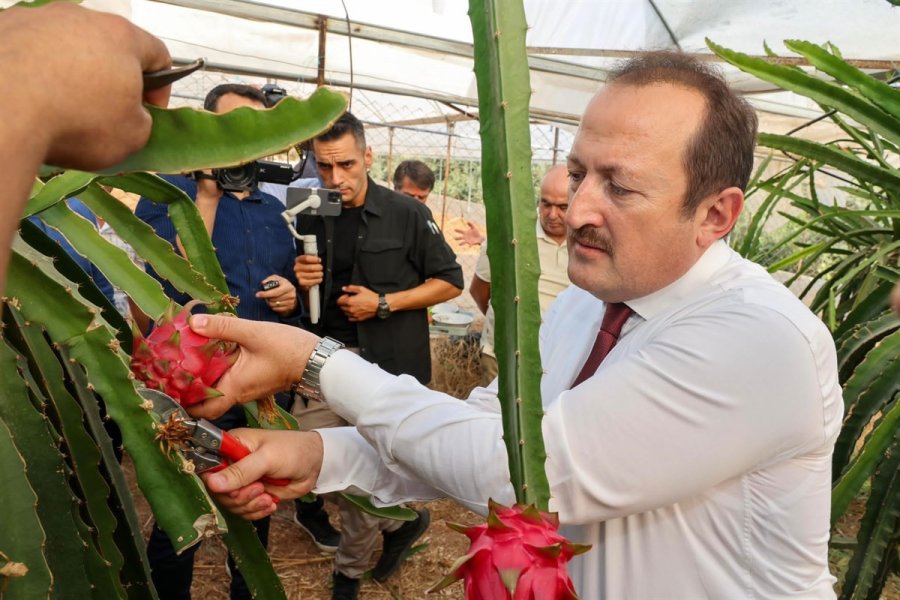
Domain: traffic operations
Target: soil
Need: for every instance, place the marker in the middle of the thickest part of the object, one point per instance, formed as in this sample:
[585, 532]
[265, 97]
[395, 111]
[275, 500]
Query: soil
[305, 572]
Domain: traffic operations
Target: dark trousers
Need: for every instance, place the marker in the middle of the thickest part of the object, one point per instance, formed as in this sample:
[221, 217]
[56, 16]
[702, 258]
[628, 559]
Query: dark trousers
[173, 574]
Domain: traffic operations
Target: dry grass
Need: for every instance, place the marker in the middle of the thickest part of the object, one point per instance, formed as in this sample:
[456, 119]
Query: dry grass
[455, 365]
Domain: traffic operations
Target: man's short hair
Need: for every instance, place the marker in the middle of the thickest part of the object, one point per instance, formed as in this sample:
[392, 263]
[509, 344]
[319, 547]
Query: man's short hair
[239, 89]
[720, 155]
[347, 123]
[418, 173]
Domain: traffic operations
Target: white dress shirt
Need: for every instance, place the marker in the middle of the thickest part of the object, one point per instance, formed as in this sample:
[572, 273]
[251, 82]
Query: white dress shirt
[696, 460]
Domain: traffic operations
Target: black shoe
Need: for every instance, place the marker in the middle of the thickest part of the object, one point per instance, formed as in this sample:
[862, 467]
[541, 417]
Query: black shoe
[396, 543]
[343, 587]
[319, 528]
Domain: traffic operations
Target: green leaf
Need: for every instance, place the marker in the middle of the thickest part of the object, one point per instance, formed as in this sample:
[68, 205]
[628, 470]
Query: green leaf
[284, 420]
[58, 506]
[821, 91]
[156, 251]
[66, 185]
[113, 262]
[398, 513]
[860, 169]
[872, 385]
[21, 537]
[880, 93]
[187, 221]
[848, 486]
[84, 457]
[181, 504]
[66, 266]
[851, 347]
[879, 531]
[251, 558]
[186, 139]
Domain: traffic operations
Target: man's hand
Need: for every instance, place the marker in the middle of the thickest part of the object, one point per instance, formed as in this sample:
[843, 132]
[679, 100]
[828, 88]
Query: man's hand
[293, 455]
[470, 236]
[309, 271]
[272, 357]
[85, 108]
[81, 110]
[282, 299]
[358, 303]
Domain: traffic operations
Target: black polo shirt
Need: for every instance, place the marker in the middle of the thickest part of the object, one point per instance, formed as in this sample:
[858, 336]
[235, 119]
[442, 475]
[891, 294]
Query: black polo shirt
[398, 246]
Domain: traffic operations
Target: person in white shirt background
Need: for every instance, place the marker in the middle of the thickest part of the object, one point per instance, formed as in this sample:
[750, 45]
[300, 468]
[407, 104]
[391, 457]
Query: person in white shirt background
[696, 459]
[553, 257]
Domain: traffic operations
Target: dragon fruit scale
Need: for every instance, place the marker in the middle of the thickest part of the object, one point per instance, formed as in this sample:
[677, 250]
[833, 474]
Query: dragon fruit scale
[179, 362]
[517, 555]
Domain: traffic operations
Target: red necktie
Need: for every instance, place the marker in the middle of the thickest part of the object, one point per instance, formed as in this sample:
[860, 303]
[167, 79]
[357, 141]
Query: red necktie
[613, 320]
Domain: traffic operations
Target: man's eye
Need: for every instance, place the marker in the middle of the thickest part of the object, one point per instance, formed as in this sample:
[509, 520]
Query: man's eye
[575, 177]
[617, 190]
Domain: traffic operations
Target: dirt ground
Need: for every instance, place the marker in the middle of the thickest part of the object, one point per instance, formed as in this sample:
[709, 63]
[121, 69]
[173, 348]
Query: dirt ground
[306, 572]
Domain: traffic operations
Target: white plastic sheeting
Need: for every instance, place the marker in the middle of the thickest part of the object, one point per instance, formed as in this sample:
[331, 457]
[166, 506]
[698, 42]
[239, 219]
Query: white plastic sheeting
[862, 29]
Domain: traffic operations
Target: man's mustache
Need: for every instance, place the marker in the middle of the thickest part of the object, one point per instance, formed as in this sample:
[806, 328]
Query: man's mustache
[591, 236]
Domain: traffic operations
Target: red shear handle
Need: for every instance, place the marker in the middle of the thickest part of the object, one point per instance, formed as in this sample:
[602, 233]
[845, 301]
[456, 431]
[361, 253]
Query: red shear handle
[233, 451]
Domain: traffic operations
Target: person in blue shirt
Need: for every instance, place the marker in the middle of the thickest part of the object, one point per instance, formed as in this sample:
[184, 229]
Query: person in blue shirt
[79, 208]
[254, 246]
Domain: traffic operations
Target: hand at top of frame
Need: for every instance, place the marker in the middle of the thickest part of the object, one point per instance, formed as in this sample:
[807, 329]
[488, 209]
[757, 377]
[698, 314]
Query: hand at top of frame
[79, 109]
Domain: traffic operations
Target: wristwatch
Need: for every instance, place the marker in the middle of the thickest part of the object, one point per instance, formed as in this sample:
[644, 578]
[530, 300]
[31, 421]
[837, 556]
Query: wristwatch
[384, 310]
[309, 386]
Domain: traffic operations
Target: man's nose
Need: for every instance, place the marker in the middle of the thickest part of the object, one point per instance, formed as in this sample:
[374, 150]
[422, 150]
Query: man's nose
[582, 208]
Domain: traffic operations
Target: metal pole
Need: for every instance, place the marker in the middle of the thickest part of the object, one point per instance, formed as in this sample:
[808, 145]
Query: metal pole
[390, 165]
[447, 172]
[323, 32]
[555, 144]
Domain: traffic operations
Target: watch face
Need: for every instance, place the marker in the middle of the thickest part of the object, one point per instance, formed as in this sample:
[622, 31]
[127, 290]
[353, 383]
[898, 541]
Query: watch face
[384, 310]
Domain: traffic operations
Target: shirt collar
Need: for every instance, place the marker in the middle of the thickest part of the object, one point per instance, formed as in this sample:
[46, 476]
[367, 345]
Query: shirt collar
[255, 195]
[373, 201]
[715, 257]
[542, 235]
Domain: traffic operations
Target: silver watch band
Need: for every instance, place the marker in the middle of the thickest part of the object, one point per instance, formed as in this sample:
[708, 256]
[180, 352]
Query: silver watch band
[309, 385]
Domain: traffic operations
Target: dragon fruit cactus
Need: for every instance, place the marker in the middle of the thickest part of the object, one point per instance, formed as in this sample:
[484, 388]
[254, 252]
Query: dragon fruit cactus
[179, 362]
[517, 555]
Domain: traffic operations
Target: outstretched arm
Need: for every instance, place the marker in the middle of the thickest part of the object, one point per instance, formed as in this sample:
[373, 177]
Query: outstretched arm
[76, 110]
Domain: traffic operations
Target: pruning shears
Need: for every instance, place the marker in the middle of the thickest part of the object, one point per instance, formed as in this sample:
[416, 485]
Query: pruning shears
[208, 447]
[157, 79]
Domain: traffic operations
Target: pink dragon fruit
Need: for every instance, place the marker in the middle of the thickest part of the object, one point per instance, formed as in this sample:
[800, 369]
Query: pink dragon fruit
[517, 555]
[179, 362]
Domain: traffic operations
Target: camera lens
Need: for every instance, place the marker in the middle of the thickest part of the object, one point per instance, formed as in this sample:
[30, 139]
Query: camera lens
[238, 179]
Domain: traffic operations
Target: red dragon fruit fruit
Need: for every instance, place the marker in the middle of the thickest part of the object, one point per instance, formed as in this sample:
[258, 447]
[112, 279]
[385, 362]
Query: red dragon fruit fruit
[179, 362]
[517, 555]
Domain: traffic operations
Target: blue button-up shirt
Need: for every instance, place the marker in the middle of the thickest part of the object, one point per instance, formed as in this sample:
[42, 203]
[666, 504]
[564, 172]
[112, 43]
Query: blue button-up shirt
[251, 240]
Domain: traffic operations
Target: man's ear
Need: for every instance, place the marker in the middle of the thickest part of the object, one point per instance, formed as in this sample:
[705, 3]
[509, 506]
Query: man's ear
[368, 158]
[717, 215]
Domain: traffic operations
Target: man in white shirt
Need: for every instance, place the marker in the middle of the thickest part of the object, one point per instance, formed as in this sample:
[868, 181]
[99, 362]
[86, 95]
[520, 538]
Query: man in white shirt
[553, 256]
[696, 459]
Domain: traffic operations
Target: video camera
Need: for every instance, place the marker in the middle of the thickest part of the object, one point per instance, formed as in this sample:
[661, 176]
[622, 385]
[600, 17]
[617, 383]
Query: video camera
[245, 178]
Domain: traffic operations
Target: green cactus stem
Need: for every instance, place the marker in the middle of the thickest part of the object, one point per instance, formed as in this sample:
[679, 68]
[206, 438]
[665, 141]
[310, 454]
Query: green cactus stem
[504, 91]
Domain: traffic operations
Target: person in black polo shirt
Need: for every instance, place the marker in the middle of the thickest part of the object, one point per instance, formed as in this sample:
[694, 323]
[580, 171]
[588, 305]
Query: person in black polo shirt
[381, 263]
